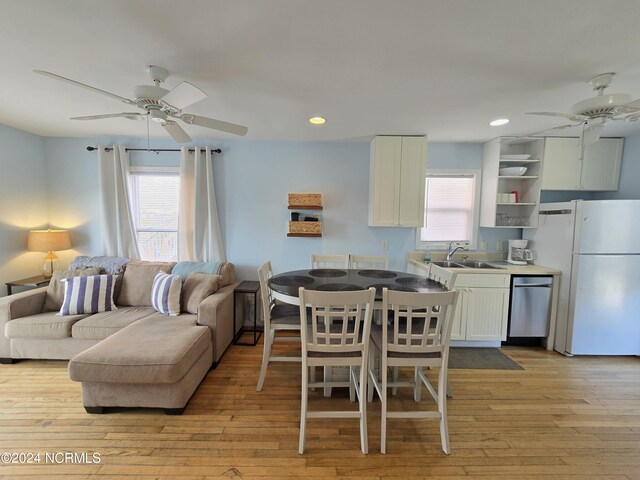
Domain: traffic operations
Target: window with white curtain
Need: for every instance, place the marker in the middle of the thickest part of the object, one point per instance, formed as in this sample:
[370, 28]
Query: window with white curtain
[154, 197]
[452, 199]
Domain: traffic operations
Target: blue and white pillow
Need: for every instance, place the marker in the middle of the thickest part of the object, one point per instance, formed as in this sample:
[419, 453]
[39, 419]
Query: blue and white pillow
[88, 294]
[165, 294]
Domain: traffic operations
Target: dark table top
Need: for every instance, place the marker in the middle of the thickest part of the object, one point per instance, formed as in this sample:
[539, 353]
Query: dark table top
[330, 279]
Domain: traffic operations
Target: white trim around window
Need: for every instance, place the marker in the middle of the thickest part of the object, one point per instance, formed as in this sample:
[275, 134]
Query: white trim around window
[473, 233]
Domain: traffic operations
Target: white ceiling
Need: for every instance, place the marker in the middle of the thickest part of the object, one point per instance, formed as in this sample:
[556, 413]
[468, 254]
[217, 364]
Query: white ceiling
[435, 67]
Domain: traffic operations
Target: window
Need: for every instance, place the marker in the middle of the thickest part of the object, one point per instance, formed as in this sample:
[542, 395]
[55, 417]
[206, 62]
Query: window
[154, 195]
[451, 208]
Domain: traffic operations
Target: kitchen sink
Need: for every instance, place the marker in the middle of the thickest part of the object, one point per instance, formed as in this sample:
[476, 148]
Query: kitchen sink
[477, 265]
[448, 264]
[452, 264]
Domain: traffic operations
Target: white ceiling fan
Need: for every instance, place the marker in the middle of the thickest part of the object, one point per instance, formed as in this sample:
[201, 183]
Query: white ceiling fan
[160, 105]
[594, 113]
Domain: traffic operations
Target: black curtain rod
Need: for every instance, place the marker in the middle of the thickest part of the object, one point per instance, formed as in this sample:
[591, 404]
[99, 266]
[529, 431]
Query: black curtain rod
[213, 150]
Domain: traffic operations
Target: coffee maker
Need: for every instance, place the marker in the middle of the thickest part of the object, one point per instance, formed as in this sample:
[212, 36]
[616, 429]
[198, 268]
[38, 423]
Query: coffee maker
[518, 253]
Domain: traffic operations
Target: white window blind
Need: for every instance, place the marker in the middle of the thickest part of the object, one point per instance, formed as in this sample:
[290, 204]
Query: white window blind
[155, 214]
[450, 208]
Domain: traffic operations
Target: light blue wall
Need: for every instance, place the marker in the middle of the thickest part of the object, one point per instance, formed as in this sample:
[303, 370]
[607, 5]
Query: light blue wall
[23, 202]
[252, 182]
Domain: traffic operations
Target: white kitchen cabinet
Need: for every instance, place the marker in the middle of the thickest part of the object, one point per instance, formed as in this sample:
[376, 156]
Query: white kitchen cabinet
[483, 307]
[499, 153]
[397, 181]
[566, 167]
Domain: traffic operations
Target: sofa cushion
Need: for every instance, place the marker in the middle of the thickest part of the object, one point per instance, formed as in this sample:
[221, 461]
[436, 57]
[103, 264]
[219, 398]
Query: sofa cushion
[42, 325]
[138, 280]
[151, 350]
[102, 325]
[55, 291]
[196, 288]
[228, 274]
[88, 294]
[165, 294]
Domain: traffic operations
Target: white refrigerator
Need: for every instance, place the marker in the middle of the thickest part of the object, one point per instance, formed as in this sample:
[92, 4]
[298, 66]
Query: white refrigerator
[596, 245]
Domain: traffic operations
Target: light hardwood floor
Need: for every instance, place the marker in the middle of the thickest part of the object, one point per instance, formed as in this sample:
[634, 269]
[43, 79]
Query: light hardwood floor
[559, 418]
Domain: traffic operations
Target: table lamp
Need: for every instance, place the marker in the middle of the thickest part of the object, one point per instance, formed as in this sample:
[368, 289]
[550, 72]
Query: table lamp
[48, 241]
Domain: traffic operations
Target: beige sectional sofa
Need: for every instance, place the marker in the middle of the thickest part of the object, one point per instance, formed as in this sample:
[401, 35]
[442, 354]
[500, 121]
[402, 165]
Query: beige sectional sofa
[132, 356]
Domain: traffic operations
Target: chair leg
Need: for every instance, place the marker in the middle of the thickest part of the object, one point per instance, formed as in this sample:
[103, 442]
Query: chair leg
[383, 410]
[449, 390]
[328, 376]
[442, 408]
[303, 407]
[394, 379]
[417, 389]
[266, 353]
[364, 441]
[371, 372]
[352, 387]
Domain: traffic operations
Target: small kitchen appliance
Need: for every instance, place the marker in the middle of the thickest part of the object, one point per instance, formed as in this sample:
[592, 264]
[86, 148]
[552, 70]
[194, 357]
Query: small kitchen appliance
[518, 253]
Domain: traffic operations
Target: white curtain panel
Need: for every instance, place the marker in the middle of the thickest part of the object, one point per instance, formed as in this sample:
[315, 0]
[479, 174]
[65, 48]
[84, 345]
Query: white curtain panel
[118, 233]
[199, 236]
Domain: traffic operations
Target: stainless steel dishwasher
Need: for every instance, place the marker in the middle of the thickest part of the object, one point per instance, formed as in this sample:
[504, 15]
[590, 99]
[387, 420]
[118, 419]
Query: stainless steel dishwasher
[530, 307]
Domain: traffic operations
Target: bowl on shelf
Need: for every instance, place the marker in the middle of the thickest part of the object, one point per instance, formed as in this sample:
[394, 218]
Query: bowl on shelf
[512, 171]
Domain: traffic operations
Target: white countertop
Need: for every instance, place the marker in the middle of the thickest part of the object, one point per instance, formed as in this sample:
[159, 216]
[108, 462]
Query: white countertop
[504, 268]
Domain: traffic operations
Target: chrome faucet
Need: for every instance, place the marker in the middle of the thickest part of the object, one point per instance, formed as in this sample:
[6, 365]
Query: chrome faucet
[452, 250]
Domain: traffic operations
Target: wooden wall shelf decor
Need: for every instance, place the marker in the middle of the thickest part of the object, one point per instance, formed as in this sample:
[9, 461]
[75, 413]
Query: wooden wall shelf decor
[305, 201]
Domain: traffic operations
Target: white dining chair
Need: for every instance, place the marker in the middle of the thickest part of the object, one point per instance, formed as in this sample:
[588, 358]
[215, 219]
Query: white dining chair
[418, 337]
[445, 277]
[329, 261]
[277, 318]
[380, 262]
[337, 332]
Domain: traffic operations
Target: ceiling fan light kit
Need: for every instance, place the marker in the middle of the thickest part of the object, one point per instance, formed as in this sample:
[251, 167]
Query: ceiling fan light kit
[159, 105]
[594, 113]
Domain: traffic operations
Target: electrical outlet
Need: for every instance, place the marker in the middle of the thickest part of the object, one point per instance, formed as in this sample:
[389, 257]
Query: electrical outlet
[499, 245]
[385, 244]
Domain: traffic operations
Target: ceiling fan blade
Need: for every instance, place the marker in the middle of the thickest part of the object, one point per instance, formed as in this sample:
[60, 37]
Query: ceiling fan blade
[570, 116]
[177, 132]
[212, 123]
[128, 115]
[184, 95]
[635, 105]
[88, 87]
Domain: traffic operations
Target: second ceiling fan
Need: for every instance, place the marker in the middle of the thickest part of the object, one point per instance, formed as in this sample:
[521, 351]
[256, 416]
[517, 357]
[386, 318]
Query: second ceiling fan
[160, 105]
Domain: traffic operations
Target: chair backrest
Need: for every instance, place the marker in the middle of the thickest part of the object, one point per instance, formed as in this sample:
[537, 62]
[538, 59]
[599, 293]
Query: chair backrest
[369, 261]
[420, 322]
[329, 261]
[442, 276]
[338, 322]
[266, 295]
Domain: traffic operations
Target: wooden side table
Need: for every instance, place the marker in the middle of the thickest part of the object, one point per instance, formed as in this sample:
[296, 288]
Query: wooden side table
[32, 282]
[252, 288]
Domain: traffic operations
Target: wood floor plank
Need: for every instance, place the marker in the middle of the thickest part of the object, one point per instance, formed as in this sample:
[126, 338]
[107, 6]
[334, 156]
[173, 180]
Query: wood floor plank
[561, 418]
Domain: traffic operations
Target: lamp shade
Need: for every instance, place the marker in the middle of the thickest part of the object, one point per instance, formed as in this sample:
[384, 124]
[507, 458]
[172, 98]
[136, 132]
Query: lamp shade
[48, 240]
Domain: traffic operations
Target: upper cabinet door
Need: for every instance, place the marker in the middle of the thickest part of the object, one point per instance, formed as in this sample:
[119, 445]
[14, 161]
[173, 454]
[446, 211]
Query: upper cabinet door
[412, 182]
[562, 164]
[396, 181]
[601, 164]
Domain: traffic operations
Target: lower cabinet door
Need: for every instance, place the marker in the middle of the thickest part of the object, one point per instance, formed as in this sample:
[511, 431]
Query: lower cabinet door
[459, 328]
[486, 311]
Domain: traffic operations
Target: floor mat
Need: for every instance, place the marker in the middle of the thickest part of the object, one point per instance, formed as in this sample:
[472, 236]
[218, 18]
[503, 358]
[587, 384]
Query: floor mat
[482, 358]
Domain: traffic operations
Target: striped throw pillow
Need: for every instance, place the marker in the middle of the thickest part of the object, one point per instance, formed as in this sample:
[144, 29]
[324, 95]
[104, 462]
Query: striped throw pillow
[88, 294]
[165, 293]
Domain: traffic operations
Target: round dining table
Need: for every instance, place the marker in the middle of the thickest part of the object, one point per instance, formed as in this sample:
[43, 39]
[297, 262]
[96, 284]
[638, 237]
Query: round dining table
[285, 285]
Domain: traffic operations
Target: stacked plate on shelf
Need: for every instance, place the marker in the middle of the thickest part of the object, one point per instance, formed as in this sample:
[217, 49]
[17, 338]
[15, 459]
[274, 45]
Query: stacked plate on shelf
[519, 156]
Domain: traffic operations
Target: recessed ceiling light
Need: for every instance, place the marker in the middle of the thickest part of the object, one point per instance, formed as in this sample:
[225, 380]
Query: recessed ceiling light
[499, 121]
[317, 120]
